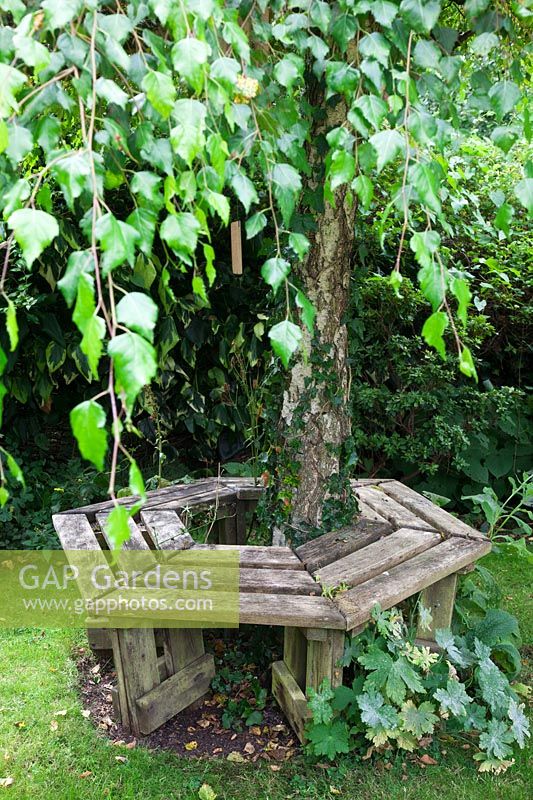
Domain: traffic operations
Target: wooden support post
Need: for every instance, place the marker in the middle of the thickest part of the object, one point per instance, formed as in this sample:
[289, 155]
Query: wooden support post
[439, 598]
[295, 654]
[290, 697]
[236, 248]
[99, 639]
[181, 647]
[135, 658]
[322, 660]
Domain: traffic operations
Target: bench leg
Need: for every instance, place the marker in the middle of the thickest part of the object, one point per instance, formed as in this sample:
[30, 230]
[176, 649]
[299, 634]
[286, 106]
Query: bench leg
[306, 663]
[439, 599]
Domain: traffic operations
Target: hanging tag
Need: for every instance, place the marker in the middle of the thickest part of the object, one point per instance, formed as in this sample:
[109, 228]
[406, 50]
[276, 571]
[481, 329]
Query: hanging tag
[236, 248]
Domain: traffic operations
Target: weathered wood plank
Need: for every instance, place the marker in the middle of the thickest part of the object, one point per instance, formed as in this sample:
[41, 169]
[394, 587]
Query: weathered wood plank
[409, 578]
[377, 557]
[293, 611]
[136, 664]
[167, 699]
[338, 544]
[278, 581]
[439, 598]
[323, 661]
[437, 517]
[166, 529]
[370, 514]
[291, 699]
[220, 496]
[75, 532]
[182, 647]
[295, 654]
[252, 557]
[386, 506]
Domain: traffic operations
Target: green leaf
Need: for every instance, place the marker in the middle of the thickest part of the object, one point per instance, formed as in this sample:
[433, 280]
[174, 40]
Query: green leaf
[383, 12]
[34, 230]
[160, 91]
[463, 296]
[329, 740]
[424, 246]
[189, 57]
[88, 421]
[496, 740]
[4, 496]
[388, 146]
[524, 192]
[418, 721]
[494, 685]
[12, 325]
[78, 262]
[180, 231]
[11, 81]
[453, 699]
[148, 186]
[289, 70]
[210, 270]
[134, 360]
[188, 135]
[373, 109]
[364, 189]
[274, 272]
[220, 204]
[504, 137]
[504, 96]
[320, 703]
[285, 338]
[117, 527]
[520, 723]
[341, 168]
[244, 189]
[503, 218]
[287, 186]
[299, 244]
[419, 15]
[60, 12]
[4, 136]
[74, 175]
[117, 240]
[426, 54]
[378, 715]
[374, 45]
[138, 312]
[255, 224]
[136, 481]
[13, 467]
[426, 183]
[466, 363]
[91, 344]
[308, 311]
[433, 329]
[198, 287]
[476, 7]
[111, 92]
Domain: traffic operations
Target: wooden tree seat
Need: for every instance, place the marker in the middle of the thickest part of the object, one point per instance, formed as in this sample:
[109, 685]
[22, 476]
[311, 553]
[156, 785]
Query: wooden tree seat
[402, 544]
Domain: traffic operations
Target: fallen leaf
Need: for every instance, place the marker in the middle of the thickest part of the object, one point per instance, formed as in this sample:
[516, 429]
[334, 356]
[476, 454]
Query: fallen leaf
[119, 742]
[425, 759]
[62, 713]
[52, 669]
[217, 750]
[86, 713]
[95, 669]
[255, 730]
[206, 792]
[20, 724]
[191, 745]
[334, 790]
[54, 725]
[131, 745]
[236, 756]
[85, 774]
[204, 723]
[275, 767]
[5, 782]
[249, 748]
[121, 759]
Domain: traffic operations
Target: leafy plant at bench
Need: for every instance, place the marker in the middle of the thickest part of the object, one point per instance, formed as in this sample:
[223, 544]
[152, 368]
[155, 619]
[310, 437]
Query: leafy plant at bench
[509, 520]
[403, 693]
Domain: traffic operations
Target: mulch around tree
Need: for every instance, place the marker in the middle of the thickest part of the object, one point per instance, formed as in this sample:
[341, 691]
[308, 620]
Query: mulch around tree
[196, 732]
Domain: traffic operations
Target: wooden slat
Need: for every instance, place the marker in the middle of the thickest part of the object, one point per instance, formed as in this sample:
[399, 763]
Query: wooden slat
[368, 513]
[290, 610]
[408, 578]
[252, 557]
[337, 544]
[295, 654]
[201, 500]
[236, 247]
[437, 517]
[377, 557]
[182, 689]
[166, 529]
[182, 647]
[397, 514]
[278, 581]
[75, 532]
[290, 697]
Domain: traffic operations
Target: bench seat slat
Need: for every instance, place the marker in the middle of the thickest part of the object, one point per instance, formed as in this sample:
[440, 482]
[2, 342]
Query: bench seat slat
[330, 547]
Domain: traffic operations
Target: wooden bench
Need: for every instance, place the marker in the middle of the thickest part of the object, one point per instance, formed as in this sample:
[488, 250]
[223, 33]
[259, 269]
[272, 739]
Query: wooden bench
[402, 544]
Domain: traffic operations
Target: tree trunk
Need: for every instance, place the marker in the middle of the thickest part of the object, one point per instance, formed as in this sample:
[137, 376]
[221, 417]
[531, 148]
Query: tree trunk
[315, 414]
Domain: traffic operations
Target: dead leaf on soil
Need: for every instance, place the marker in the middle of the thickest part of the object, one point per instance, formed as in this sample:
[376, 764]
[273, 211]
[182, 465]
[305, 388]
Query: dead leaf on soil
[427, 760]
[86, 713]
[131, 745]
[236, 757]
[54, 725]
[6, 782]
[85, 774]
[191, 745]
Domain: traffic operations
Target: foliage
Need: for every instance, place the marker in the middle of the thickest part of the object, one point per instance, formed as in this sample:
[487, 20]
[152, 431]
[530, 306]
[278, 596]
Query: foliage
[125, 128]
[403, 694]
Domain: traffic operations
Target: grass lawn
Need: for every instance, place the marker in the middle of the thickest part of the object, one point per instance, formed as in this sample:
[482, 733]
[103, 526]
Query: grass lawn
[38, 678]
